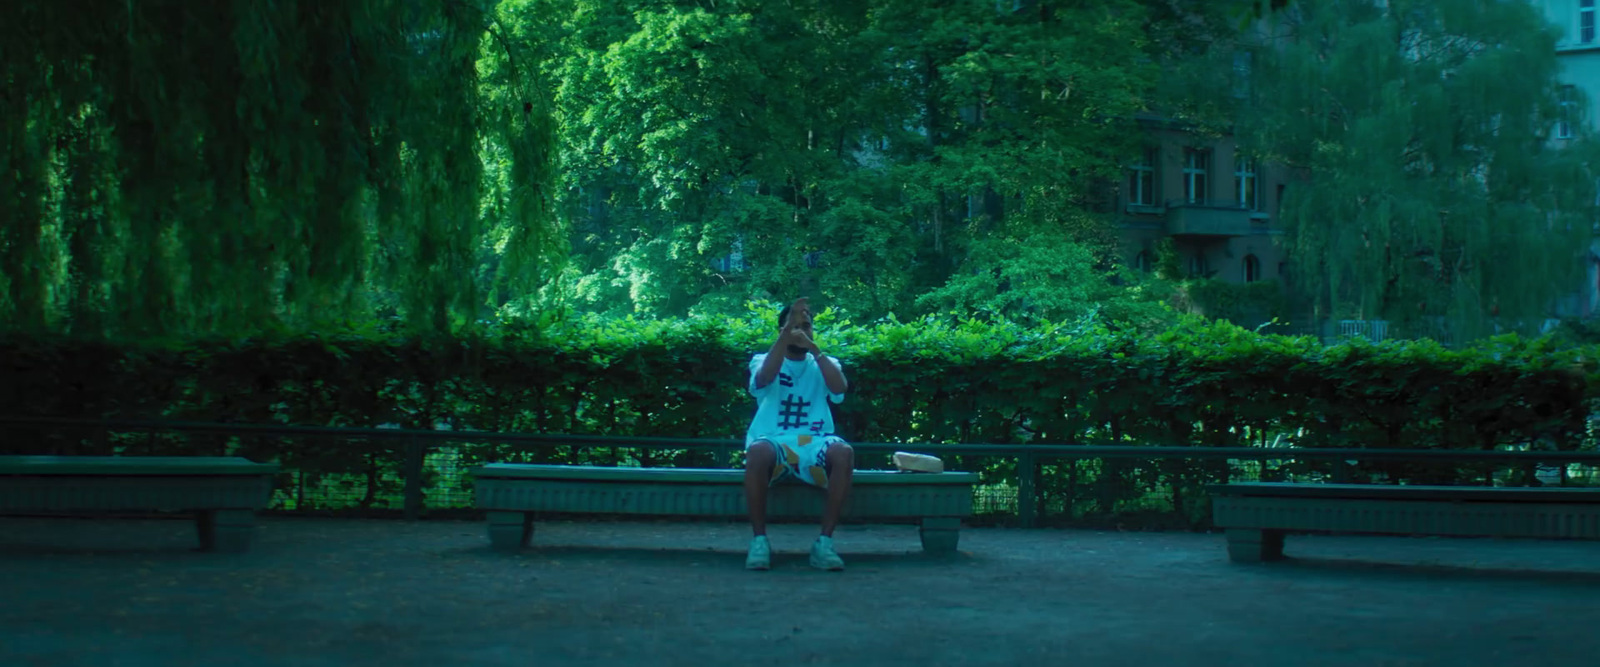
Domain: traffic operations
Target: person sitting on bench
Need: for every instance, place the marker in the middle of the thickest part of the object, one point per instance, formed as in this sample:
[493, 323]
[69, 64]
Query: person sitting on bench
[792, 432]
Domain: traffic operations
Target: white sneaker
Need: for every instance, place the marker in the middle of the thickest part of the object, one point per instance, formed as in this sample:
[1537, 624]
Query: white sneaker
[823, 557]
[760, 557]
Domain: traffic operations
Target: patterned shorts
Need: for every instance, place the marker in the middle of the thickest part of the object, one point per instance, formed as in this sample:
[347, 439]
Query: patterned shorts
[801, 455]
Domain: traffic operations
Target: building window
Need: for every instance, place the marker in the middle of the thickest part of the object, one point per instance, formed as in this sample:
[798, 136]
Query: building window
[1585, 21]
[1252, 268]
[1141, 261]
[1197, 266]
[1244, 183]
[1196, 163]
[1568, 103]
[1142, 182]
[733, 262]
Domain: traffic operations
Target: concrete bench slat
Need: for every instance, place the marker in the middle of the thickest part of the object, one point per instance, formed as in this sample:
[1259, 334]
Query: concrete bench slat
[694, 475]
[787, 500]
[1497, 494]
[222, 492]
[513, 494]
[133, 465]
[1256, 517]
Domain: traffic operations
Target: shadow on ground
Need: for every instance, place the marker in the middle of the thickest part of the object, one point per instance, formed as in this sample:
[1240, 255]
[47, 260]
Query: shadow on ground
[1442, 572]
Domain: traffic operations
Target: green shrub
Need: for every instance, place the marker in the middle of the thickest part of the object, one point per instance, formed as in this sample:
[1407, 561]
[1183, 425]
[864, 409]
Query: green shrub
[931, 380]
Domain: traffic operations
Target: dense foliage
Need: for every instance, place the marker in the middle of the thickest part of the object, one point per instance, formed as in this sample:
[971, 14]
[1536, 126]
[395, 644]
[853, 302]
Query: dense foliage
[927, 380]
[881, 156]
[1447, 178]
[169, 167]
[891, 157]
[179, 168]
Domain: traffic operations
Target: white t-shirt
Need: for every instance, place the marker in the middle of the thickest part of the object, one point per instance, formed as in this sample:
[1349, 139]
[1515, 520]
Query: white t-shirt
[794, 402]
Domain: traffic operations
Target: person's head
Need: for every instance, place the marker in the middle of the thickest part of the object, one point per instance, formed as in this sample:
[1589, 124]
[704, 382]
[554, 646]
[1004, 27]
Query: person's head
[803, 323]
[783, 320]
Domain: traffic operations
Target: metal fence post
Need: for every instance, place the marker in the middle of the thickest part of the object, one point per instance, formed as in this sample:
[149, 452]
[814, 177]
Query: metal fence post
[1344, 472]
[1026, 500]
[413, 476]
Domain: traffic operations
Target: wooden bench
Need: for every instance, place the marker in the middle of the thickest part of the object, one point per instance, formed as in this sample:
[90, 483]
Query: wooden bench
[1256, 516]
[513, 494]
[224, 493]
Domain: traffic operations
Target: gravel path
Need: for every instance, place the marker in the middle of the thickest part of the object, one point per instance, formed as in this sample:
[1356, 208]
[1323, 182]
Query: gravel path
[345, 592]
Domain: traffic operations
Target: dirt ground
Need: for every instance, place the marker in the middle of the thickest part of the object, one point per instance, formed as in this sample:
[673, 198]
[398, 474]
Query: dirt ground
[319, 592]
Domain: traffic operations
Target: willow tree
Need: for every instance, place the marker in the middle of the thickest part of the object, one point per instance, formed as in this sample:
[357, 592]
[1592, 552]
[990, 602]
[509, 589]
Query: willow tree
[176, 167]
[1433, 189]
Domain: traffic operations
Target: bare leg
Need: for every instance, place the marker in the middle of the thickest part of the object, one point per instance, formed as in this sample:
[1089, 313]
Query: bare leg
[841, 463]
[758, 463]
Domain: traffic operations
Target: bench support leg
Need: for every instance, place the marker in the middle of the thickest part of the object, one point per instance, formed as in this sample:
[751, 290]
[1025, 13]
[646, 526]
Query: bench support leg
[510, 531]
[1250, 545]
[227, 531]
[940, 534]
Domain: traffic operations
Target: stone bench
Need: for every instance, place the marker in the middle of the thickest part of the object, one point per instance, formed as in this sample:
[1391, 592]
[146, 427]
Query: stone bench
[513, 494]
[223, 493]
[1256, 516]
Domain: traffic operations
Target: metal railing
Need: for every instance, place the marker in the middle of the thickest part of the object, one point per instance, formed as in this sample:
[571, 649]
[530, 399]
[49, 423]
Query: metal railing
[413, 447]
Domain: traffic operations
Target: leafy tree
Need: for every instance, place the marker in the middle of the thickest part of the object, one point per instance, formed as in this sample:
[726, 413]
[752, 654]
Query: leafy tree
[861, 152]
[1432, 188]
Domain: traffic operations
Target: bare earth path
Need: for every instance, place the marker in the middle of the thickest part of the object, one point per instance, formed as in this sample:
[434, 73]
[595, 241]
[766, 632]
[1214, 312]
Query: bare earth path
[343, 592]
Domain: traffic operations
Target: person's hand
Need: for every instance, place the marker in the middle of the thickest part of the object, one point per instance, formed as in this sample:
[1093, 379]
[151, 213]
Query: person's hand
[798, 337]
[799, 313]
[794, 331]
[801, 306]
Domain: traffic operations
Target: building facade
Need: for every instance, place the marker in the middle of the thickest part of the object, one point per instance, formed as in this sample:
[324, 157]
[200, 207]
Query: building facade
[1217, 205]
[1221, 210]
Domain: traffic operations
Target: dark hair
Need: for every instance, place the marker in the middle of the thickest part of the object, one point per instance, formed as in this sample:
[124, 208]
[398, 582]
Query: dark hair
[783, 317]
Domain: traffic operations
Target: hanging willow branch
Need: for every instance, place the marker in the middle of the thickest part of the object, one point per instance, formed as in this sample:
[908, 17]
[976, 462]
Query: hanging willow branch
[177, 167]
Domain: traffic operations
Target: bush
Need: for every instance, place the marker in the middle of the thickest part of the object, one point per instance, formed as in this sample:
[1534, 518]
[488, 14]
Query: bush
[930, 380]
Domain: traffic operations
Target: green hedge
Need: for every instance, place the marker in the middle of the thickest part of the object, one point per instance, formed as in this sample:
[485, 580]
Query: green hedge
[1203, 384]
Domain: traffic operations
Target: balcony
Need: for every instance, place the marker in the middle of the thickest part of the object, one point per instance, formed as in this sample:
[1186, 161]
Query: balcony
[1209, 219]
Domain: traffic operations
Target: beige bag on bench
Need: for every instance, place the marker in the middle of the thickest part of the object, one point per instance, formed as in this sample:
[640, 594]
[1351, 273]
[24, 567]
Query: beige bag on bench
[908, 462]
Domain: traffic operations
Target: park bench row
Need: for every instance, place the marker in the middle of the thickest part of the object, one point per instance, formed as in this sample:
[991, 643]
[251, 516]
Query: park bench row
[225, 493]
